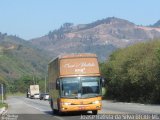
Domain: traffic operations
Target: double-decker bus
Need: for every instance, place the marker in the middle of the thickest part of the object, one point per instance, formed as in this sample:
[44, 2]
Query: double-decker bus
[75, 83]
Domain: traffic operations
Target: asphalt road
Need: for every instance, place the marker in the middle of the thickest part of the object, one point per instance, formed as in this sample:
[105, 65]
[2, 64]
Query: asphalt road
[22, 108]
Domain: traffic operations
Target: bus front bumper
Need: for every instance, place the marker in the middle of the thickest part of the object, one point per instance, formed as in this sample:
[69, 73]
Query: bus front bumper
[89, 107]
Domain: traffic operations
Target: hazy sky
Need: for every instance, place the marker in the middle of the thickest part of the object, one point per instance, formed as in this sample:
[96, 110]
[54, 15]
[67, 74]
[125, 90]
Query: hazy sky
[34, 18]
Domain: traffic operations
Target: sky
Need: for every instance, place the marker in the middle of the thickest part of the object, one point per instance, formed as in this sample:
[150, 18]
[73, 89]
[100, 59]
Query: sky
[30, 19]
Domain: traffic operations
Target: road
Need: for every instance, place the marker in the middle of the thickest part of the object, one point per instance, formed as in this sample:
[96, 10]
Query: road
[34, 109]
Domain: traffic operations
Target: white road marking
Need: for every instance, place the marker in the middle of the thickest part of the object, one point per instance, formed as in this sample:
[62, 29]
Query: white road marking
[43, 111]
[34, 107]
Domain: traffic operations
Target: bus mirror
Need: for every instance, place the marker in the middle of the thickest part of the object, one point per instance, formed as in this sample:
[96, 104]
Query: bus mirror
[103, 91]
[57, 84]
[103, 82]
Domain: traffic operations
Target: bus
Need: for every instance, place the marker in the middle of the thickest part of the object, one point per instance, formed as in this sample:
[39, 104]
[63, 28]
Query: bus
[75, 83]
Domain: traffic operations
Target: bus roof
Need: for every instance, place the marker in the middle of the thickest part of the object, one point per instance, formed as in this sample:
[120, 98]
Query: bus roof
[77, 55]
[74, 55]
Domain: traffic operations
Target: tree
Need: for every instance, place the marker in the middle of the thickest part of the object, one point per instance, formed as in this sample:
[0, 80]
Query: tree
[134, 73]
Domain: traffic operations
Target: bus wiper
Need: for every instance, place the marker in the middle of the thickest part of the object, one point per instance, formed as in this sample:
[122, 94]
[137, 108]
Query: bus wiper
[68, 97]
[89, 95]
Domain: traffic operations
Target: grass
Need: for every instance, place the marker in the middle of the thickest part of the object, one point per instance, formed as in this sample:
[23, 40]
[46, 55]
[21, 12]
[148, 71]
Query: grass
[3, 105]
[16, 94]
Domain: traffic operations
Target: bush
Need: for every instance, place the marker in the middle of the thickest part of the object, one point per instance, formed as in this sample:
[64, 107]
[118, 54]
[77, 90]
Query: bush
[3, 105]
[134, 73]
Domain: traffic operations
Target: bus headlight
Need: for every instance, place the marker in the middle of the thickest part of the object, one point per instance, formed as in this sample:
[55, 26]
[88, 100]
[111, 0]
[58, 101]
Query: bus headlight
[96, 102]
[66, 103]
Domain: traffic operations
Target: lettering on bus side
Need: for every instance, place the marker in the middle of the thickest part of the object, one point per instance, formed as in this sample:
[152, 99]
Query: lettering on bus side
[83, 64]
[80, 70]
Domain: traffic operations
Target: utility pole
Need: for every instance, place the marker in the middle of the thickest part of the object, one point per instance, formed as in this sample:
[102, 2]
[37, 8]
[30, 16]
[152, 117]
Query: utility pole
[34, 77]
[2, 92]
[45, 83]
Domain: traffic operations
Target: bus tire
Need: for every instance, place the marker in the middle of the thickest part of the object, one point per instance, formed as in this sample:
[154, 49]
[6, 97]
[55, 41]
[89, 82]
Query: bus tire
[60, 113]
[52, 106]
[94, 112]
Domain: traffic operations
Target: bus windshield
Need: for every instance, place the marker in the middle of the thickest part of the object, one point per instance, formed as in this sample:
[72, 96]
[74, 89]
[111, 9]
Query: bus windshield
[80, 87]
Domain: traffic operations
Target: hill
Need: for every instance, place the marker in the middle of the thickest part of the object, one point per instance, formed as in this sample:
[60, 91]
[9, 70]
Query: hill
[157, 24]
[100, 37]
[19, 58]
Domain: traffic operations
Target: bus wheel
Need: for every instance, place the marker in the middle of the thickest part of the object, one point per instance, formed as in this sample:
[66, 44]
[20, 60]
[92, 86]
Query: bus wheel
[52, 107]
[94, 112]
[60, 113]
[84, 112]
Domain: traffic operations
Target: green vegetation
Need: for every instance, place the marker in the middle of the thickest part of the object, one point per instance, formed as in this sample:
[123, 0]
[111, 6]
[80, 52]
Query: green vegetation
[19, 63]
[16, 94]
[133, 73]
[2, 80]
[3, 105]
[20, 86]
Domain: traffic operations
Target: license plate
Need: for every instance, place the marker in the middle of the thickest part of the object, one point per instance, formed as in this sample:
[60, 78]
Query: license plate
[82, 107]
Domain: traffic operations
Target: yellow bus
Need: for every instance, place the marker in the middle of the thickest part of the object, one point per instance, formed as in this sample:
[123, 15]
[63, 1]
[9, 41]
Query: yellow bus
[75, 83]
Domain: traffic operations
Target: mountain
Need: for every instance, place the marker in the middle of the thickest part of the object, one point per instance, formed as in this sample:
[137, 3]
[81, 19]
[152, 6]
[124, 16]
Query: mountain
[100, 37]
[157, 24]
[19, 58]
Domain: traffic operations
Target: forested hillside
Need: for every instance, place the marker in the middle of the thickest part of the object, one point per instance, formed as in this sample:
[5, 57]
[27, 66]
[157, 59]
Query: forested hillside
[133, 73]
[20, 60]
